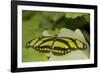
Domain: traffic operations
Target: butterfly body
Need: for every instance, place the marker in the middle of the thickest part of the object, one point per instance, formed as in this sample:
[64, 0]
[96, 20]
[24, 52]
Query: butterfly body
[56, 45]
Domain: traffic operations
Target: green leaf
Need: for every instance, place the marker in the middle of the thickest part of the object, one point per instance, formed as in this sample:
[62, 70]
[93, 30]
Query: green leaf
[73, 14]
[87, 18]
[54, 15]
[26, 14]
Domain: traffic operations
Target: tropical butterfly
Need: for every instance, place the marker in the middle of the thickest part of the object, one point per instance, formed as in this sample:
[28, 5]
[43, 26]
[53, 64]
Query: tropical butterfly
[56, 45]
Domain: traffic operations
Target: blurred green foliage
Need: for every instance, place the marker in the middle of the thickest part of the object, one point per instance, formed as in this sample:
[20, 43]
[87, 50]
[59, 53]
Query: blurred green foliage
[35, 22]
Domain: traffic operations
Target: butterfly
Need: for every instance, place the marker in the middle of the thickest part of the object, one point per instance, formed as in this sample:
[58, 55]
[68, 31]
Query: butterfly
[58, 46]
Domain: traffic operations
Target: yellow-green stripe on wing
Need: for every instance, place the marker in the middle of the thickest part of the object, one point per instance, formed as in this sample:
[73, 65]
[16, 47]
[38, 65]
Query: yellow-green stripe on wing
[60, 48]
